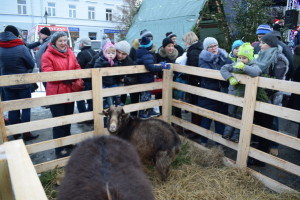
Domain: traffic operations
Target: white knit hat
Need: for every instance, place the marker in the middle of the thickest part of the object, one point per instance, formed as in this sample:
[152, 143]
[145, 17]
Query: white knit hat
[123, 46]
[208, 41]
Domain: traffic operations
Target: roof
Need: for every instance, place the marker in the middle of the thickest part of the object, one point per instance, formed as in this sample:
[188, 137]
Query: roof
[162, 16]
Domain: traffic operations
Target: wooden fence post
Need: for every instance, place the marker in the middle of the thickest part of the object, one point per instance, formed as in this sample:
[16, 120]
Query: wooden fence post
[3, 137]
[167, 95]
[97, 95]
[247, 121]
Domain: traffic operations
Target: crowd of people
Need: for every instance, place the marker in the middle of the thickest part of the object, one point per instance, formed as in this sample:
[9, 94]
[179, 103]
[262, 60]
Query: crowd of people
[268, 56]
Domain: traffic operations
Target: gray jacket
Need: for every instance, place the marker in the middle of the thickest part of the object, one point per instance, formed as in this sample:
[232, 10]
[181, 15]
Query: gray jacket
[42, 50]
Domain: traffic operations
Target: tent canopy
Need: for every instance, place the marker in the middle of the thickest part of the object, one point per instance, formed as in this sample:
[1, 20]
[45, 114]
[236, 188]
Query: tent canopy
[162, 16]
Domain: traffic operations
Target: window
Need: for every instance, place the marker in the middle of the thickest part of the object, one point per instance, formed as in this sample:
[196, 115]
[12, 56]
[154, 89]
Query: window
[22, 7]
[51, 9]
[91, 12]
[108, 15]
[72, 11]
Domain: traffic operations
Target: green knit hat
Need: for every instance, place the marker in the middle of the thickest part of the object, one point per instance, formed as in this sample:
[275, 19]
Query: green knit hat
[246, 50]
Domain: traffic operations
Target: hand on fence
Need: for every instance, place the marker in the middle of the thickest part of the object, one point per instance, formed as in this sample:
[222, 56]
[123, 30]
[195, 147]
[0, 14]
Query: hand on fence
[167, 66]
[163, 64]
[239, 65]
[233, 81]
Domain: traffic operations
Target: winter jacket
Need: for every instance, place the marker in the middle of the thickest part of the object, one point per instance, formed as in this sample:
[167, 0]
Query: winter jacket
[33, 45]
[211, 61]
[250, 69]
[193, 53]
[296, 57]
[288, 54]
[53, 60]
[128, 77]
[145, 57]
[42, 50]
[135, 46]
[102, 62]
[294, 101]
[15, 57]
[85, 56]
[179, 49]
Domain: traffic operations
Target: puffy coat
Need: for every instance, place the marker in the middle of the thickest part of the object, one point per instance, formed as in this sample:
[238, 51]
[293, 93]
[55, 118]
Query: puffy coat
[14, 57]
[53, 60]
[192, 54]
[145, 57]
[107, 80]
[41, 51]
[211, 61]
[84, 56]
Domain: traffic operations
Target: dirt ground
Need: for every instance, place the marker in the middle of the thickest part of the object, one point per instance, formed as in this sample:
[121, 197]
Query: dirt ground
[286, 153]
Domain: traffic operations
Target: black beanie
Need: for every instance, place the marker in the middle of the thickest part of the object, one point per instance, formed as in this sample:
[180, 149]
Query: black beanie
[45, 31]
[170, 34]
[12, 29]
[167, 41]
[270, 39]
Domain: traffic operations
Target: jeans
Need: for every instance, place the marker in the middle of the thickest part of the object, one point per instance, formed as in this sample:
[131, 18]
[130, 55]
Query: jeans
[15, 116]
[59, 110]
[206, 122]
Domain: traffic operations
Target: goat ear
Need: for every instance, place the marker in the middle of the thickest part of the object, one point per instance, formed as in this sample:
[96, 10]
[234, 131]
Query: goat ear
[124, 115]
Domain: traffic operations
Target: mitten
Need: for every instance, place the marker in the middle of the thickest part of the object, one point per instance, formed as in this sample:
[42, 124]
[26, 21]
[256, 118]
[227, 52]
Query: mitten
[239, 65]
[233, 81]
[163, 64]
[167, 66]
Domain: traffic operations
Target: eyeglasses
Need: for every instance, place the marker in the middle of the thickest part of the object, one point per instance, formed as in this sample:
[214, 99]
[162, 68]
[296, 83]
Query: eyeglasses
[213, 46]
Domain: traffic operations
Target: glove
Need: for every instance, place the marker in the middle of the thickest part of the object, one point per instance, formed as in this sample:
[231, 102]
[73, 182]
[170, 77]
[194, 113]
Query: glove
[239, 65]
[233, 81]
[167, 66]
[163, 64]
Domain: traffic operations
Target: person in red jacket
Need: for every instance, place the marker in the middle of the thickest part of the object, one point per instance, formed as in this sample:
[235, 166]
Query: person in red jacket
[59, 57]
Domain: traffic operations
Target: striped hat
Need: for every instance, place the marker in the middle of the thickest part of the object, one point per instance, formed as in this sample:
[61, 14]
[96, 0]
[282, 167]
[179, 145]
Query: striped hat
[263, 29]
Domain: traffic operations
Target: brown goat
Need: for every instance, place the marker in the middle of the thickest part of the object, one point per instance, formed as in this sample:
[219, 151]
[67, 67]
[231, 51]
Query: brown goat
[154, 139]
[106, 168]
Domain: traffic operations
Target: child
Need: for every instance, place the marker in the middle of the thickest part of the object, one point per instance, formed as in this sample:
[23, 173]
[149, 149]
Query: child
[144, 57]
[234, 50]
[245, 66]
[108, 59]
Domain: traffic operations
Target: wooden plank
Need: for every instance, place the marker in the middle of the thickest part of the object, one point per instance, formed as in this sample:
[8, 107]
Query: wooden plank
[112, 71]
[22, 173]
[97, 101]
[208, 113]
[6, 192]
[247, 122]
[18, 79]
[51, 144]
[52, 164]
[204, 132]
[167, 95]
[142, 106]
[219, 96]
[275, 161]
[281, 85]
[278, 137]
[48, 100]
[3, 137]
[48, 123]
[279, 111]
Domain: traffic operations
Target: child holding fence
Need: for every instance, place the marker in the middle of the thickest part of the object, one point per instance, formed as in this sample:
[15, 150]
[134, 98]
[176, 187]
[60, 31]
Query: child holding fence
[244, 66]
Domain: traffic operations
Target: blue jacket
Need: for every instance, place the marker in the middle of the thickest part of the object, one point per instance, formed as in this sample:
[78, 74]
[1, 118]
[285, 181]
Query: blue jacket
[211, 61]
[14, 57]
[144, 57]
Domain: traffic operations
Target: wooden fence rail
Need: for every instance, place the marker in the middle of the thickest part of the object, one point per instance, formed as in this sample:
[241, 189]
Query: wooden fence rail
[246, 126]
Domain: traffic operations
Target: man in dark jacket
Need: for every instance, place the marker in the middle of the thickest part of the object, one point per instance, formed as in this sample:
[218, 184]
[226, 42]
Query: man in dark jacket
[45, 37]
[16, 59]
[84, 57]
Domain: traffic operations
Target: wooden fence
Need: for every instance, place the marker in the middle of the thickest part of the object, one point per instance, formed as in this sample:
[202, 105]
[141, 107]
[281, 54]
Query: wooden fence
[246, 126]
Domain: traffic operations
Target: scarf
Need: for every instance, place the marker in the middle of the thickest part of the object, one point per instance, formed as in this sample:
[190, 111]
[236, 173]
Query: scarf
[11, 43]
[267, 58]
[61, 51]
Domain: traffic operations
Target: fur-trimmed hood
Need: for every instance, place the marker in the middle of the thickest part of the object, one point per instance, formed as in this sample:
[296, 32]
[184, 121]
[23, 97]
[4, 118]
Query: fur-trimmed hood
[213, 58]
[172, 56]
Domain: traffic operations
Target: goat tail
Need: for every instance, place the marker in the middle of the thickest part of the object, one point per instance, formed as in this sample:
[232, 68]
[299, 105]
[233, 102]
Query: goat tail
[109, 197]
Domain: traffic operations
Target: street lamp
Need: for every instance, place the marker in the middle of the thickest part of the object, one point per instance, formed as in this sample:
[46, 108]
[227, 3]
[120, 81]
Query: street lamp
[46, 15]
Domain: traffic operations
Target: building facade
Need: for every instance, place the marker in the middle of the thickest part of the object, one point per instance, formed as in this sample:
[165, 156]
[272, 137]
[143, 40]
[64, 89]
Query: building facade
[84, 18]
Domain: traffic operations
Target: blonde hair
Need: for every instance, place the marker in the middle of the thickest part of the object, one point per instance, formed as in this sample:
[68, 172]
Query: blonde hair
[190, 38]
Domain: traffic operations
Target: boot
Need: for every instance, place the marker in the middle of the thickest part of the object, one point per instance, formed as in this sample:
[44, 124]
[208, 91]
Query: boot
[28, 136]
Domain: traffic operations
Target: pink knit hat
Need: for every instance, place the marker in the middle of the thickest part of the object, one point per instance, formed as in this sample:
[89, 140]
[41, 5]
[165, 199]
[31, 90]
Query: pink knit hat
[105, 47]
